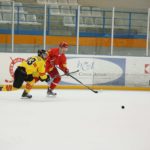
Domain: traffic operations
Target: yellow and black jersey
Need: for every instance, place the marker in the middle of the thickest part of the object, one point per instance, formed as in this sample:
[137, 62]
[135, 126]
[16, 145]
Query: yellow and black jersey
[35, 65]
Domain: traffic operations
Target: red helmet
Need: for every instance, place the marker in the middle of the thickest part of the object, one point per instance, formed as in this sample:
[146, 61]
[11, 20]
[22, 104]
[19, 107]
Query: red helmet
[63, 44]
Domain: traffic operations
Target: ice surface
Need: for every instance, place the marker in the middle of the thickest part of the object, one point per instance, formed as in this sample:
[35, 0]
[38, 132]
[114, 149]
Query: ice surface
[75, 120]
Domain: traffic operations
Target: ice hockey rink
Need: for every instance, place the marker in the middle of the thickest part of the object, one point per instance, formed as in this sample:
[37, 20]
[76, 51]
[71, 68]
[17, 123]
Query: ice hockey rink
[75, 120]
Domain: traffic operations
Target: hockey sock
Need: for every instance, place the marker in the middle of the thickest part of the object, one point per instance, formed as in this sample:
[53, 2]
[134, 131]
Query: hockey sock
[55, 82]
[53, 85]
[29, 85]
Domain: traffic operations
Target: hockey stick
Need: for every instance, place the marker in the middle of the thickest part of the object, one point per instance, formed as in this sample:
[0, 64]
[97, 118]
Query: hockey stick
[62, 75]
[65, 74]
[70, 73]
[80, 82]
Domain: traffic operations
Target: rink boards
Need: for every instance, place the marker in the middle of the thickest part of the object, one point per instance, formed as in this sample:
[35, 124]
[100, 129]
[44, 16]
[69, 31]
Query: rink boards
[99, 72]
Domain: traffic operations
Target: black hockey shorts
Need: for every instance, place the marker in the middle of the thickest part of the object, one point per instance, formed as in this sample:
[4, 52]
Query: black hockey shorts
[20, 76]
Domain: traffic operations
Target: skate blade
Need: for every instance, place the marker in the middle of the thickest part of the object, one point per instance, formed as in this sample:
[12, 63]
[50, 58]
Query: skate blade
[26, 97]
[51, 95]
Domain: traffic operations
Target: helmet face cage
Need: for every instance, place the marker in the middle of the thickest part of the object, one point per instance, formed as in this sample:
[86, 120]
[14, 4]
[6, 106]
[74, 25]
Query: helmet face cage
[42, 53]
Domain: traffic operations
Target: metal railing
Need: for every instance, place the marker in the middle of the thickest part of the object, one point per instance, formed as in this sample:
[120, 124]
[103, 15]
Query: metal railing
[58, 20]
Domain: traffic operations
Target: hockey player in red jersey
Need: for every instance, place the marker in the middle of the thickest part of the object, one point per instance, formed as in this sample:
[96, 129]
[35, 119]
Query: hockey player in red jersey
[56, 57]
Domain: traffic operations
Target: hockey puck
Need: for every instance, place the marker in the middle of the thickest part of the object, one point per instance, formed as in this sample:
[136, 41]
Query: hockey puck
[123, 107]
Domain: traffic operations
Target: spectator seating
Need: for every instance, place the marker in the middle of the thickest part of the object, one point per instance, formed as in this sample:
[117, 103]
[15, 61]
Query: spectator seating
[62, 2]
[7, 17]
[96, 12]
[68, 21]
[19, 7]
[65, 10]
[87, 22]
[1, 18]
[85, 11]
[6, 6]
[72, 2]
[31, 19]
[20, 15]
[42, 1]
[73, 10]
[98, 21]
[52, 1]
[58, 2]
[54, 10]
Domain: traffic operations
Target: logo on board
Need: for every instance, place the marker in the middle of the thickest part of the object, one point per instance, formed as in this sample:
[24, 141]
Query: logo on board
[147, 69]
[12, 67]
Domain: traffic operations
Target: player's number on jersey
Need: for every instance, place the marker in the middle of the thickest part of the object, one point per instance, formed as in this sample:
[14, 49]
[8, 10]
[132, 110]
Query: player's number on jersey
[30, 61]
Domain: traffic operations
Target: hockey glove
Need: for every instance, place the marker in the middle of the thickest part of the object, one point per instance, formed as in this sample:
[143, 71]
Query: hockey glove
[46, 80]
[66, 72]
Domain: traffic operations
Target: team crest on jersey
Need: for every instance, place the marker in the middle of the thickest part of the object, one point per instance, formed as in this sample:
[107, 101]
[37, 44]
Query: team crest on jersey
[12, 67]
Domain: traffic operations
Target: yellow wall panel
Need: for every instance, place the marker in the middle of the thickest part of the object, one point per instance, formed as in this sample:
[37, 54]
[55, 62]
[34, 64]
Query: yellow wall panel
[84, 41]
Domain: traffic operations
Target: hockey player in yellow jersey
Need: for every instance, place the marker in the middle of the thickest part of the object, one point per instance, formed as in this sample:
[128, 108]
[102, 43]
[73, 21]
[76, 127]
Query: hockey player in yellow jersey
[30, 71]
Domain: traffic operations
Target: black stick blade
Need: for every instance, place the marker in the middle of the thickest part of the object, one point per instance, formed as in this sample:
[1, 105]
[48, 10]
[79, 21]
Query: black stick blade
[95, 91]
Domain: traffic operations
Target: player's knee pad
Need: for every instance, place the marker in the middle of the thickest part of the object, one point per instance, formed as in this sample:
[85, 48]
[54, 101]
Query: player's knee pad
[57, 80]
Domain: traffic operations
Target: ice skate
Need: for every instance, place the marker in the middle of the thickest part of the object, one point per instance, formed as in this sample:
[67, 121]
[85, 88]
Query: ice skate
[50, 92]
[26, 95]
[1, 88]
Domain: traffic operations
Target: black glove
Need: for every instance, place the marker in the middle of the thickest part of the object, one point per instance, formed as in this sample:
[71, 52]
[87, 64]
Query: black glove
[46, 80]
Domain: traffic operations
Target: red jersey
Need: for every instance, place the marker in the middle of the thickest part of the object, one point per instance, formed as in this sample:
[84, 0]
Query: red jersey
[55, 58]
